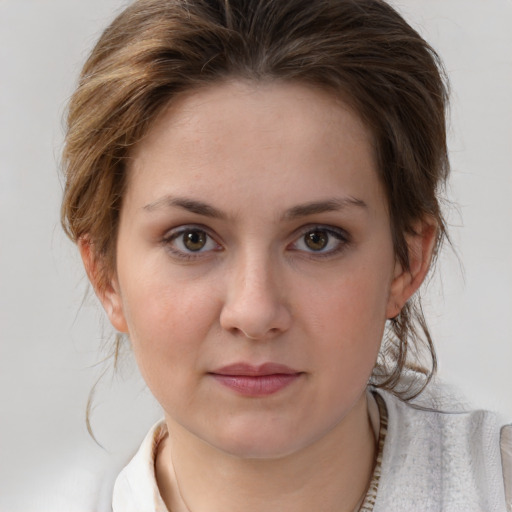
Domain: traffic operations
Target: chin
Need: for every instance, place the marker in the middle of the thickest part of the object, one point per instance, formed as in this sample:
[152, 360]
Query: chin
[266, 448]
[262, 441]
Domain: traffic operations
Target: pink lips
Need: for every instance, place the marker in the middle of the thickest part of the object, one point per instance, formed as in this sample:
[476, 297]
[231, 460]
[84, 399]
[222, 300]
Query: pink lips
[256, 381]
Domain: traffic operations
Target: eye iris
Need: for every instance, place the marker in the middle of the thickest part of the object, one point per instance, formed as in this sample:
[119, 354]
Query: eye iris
[316, 240]
[194, 240]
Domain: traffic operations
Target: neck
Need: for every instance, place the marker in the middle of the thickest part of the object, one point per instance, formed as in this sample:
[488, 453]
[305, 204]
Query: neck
[331, 474]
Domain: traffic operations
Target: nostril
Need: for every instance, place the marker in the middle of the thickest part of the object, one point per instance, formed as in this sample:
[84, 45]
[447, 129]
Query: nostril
[247, 335]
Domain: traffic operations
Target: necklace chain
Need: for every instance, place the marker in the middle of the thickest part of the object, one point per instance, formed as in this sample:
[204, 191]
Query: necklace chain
[369, 497]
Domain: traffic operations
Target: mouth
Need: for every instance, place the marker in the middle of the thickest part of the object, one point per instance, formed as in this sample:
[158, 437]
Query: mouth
[256, 381]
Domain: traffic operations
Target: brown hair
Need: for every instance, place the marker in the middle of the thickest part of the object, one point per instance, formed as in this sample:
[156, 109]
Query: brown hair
[361, 50]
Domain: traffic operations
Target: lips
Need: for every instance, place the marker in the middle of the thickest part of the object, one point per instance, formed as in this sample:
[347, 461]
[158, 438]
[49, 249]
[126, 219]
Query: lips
[256, 381]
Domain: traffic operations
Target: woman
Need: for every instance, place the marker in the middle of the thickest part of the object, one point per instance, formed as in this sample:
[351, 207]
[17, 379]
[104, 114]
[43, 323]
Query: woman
[253, 187]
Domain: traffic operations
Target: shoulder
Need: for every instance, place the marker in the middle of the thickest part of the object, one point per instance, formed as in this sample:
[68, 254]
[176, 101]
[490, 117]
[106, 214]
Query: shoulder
[135, 489]
[506, 457]
[439, 460]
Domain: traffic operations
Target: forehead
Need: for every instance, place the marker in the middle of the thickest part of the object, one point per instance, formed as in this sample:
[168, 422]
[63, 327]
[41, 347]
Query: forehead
[308, 112]
[266, 140]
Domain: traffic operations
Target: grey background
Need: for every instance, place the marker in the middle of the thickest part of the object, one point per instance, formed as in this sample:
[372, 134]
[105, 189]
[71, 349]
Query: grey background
[50, 339]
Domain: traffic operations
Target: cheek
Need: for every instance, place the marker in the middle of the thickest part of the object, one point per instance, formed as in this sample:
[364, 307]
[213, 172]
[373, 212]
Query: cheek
[354, 302]
[349, 319]
[167, 319]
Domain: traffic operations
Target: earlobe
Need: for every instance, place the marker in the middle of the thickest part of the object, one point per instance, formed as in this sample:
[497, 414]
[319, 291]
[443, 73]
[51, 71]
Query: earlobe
[105, 286]
[420, 246]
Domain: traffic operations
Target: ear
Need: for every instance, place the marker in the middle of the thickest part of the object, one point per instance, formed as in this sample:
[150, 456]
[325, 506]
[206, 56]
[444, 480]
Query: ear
[420, 246]
[105, 286]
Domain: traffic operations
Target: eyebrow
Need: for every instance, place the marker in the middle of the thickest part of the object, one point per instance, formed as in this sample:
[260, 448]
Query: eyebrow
[329, 205]
[190, 205]
[302, 210]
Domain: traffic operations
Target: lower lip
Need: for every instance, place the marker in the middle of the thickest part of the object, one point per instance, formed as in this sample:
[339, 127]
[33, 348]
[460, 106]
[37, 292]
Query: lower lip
[257, 385]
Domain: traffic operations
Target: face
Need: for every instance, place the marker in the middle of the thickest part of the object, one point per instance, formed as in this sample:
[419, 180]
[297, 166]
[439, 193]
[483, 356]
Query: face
[255, 266]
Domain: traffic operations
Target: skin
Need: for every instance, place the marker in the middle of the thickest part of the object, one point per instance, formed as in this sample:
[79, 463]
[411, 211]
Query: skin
[241, 164]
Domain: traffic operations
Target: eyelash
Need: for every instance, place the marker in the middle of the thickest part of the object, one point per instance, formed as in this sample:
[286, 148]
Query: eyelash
[341, 236]
[171, 237]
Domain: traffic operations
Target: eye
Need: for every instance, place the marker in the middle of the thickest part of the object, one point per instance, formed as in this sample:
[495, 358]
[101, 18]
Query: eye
[321, 240]
[194, 240]
[316, 240]
[186, 241]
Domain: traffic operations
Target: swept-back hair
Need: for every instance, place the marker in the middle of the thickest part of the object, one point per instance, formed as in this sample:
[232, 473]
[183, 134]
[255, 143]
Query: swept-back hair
[361, 51]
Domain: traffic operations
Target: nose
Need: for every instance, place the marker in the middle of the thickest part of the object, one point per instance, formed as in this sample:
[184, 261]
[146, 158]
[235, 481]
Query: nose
[255, 305]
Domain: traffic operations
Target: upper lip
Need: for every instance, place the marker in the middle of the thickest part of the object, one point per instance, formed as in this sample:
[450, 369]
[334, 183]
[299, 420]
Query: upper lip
[246, 369]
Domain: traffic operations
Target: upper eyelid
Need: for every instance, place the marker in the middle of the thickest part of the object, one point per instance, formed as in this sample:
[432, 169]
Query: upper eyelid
[342, 236]
[321, 227]
[341, 233]
[174, 232]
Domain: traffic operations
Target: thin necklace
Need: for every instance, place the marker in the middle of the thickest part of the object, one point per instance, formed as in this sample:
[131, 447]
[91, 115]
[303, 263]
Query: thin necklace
[178, 484]
[368, 500]
[371, 494]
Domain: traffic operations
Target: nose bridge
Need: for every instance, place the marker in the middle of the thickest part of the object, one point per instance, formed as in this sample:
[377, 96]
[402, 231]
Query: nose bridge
[255, 273]
[255, 303]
